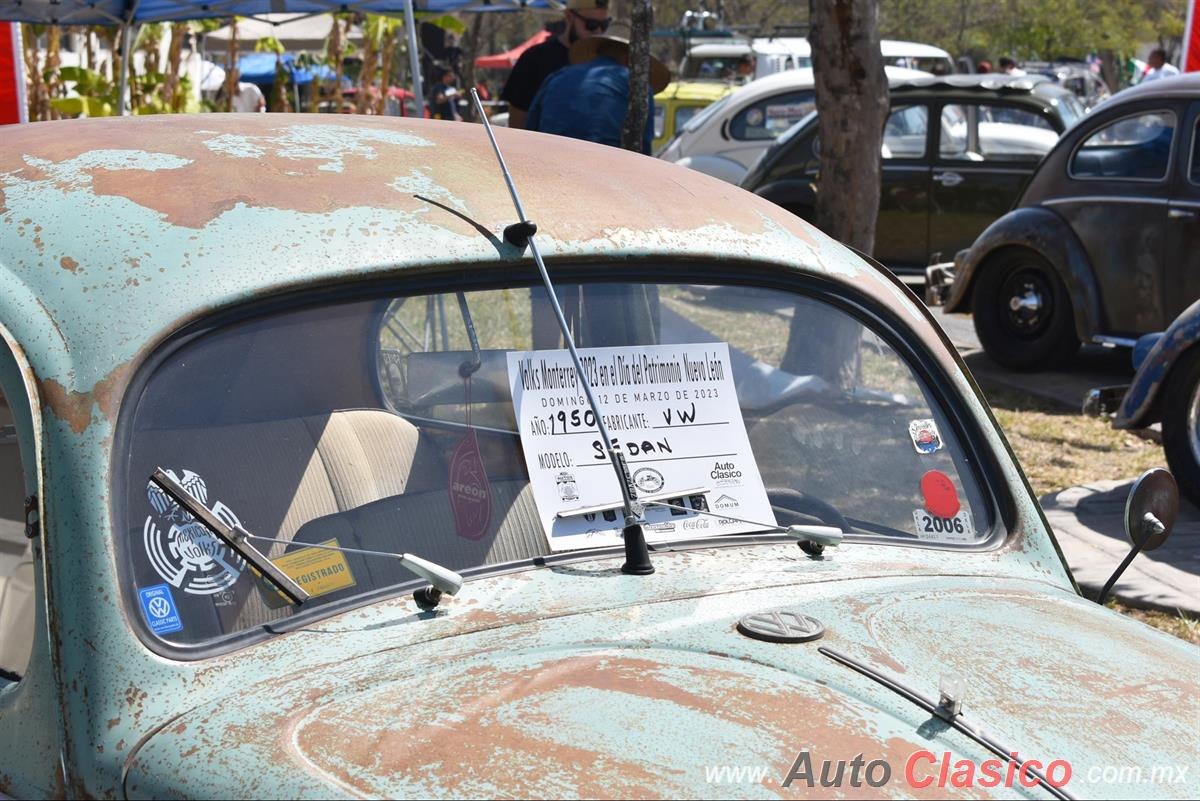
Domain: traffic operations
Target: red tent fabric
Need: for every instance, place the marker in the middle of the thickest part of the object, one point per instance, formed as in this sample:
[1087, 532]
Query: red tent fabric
[1191, 39]
[506, 60]
[12, 76]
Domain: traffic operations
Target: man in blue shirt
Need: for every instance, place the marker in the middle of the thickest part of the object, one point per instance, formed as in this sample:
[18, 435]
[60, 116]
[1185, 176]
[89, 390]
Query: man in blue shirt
[589, 99]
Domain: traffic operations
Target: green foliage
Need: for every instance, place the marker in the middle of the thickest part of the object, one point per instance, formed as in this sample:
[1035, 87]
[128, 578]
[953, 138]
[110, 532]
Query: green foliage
[1033, 29]
[82, 107]
[447, 22]
[97, 96]
[269, 44]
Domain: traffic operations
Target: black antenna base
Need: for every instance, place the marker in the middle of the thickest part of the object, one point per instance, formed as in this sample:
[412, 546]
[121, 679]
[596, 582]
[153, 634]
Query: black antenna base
[427, 598]
[519, 233]
[637, 554]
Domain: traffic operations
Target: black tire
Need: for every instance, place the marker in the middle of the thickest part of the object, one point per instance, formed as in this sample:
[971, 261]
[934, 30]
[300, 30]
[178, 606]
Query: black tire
[1181, 424]
[1023, 338]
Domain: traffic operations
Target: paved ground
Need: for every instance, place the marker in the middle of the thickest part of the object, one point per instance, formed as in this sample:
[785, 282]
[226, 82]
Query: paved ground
[1089, 520]
[1089, 523]
[1093, 366]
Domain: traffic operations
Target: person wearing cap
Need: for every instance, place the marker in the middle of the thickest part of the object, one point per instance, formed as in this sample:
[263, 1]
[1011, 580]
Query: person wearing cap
[583, 18]
[590, 98]
[587, 100]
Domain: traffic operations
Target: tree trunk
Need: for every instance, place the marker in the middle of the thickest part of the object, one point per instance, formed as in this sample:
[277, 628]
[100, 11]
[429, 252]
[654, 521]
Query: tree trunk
[641, 21]
[112, 68]
[231, 71]
[35, 96]
[366, 77]
[53, 44]
[89, 50]
[386, 50]
[470, 51]
[852, 96]
[173, 99]
[335, 58]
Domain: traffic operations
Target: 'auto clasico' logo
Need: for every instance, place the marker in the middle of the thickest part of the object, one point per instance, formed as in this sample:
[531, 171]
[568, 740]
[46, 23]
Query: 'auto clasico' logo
[183, 551]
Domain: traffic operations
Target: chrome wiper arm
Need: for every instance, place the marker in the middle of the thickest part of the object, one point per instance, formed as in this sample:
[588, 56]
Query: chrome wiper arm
[949, 709]
[441, 579]
[237, 538]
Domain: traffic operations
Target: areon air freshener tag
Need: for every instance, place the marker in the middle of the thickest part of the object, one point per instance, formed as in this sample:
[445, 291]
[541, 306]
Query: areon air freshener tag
[470, 492]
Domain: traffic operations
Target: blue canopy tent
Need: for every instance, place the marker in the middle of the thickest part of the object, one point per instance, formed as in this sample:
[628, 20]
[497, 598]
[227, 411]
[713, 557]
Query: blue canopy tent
[259, 69]
[130, 13]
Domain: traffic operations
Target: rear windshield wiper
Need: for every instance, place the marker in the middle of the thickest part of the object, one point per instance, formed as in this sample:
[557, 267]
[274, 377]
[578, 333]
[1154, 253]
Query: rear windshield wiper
[235, 537]
[441, 579]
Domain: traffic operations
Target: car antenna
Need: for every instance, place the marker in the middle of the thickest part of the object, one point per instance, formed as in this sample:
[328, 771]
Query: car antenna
[520, 235]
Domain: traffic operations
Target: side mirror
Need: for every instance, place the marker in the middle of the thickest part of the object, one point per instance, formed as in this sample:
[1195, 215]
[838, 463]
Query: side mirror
[1150, 514]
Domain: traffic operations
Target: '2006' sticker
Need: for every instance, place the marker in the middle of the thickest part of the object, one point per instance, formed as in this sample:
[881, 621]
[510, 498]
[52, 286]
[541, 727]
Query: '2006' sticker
[959, 528]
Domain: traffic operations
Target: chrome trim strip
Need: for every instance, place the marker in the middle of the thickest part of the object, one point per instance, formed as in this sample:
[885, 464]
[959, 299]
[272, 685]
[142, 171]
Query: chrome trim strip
[1059, 201]
[1111, 342]
[953, 166]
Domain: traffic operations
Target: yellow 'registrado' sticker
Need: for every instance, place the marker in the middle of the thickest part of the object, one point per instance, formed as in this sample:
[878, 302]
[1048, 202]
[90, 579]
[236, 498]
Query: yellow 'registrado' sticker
[317, 570]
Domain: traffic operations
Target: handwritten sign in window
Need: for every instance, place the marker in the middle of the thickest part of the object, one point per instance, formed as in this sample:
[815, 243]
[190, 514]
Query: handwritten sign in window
[674, 412]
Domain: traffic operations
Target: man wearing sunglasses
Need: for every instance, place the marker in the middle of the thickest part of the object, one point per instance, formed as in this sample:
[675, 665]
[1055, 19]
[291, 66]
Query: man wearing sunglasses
[583, 18]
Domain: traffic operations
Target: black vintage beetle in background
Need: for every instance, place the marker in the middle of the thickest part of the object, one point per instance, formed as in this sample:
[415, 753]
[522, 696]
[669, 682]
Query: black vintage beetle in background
[957, 151]
[1104, 244]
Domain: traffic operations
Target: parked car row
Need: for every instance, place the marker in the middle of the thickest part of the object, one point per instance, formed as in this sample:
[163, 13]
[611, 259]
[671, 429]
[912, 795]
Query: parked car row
[1104, 242]
[346, 393]
[727, 137]
[957, 152]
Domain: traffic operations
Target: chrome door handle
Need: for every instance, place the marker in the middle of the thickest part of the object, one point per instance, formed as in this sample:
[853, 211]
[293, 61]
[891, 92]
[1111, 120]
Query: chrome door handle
[948, 178]
[1181, 214]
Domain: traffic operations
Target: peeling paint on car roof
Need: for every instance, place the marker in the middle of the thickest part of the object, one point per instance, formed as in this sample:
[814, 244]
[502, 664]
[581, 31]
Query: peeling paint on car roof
[196, 213]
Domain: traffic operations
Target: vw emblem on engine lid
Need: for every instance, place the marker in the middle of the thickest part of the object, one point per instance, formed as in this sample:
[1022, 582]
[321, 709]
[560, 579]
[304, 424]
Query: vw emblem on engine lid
[781, 625]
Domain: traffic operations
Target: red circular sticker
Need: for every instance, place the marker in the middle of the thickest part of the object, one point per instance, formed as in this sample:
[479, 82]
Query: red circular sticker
[941, 498]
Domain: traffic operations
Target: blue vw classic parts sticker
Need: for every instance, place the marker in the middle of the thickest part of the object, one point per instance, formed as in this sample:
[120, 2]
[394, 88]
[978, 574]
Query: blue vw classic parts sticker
[159, 609]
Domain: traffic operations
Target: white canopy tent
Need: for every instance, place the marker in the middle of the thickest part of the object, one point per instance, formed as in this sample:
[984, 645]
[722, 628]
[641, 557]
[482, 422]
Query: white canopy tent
[296, 32]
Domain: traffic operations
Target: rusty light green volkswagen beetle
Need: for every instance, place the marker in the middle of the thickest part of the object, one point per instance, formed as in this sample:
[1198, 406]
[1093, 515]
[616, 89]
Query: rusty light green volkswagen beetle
[321, 341]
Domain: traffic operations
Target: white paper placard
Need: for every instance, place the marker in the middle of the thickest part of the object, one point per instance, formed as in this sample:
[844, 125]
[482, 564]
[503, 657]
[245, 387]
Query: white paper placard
[675, 413]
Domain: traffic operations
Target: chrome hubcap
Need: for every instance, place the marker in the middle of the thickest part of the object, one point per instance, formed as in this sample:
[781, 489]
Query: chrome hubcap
[1029, 303]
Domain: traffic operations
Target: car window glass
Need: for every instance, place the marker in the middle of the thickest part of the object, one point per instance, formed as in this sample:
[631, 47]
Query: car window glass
[987, 132]
[905, 132]
[712, 67]
[684, 114]
[16, 552]
[1137, 147]
[709, 111]
[342, 423]
[1070, 108]
[771, 116]
[659, 115]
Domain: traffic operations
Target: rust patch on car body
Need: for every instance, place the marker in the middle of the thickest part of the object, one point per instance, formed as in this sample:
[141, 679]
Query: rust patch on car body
[287, 162]
[75, 408]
